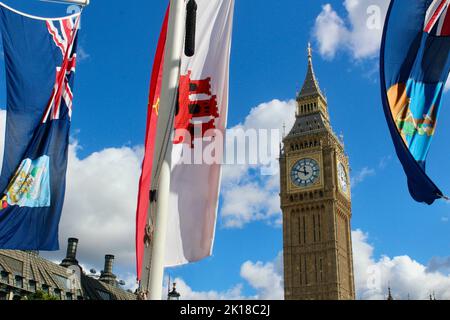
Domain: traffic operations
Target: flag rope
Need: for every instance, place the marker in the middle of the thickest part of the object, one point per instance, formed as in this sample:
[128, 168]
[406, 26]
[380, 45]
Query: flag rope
[37, 17]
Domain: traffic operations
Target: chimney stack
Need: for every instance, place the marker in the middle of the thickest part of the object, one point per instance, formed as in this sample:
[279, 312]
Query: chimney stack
[109, 261]
[107, 275]
[71, 256]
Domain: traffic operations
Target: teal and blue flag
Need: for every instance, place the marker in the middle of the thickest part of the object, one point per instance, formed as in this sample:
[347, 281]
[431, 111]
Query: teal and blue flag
[415, 66]
[40, 60]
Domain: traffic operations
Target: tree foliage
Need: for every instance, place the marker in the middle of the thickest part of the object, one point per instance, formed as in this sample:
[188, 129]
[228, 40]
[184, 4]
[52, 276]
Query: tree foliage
[41, 295]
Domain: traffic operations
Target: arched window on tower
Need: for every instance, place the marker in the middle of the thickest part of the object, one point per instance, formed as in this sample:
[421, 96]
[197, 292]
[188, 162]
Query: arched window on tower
[321, 269]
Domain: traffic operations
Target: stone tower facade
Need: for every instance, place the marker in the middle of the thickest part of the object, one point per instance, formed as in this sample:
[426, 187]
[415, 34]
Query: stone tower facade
[316, 203]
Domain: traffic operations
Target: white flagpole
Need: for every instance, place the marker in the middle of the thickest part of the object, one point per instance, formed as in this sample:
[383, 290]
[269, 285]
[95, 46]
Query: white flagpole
[169, 94]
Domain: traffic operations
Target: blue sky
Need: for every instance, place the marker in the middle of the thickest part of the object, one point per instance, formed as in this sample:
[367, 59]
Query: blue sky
[268, 62]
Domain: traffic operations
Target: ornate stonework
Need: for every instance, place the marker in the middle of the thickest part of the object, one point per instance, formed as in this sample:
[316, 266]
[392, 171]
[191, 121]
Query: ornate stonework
[316, 203]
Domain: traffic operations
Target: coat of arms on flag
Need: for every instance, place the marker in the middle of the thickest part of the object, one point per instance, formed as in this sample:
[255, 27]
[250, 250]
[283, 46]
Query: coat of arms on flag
[40, 58]
[30, 186]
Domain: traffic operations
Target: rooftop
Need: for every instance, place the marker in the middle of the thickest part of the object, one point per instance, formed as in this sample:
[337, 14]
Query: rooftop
[24, 272]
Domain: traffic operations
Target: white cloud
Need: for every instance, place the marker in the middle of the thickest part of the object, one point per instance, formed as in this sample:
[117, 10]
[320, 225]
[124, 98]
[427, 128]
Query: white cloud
[406, 277]
[100, 204]
[361, 176]
[384, 162]
[439, 264]
[272, 115]
[248, 202]
[187, 293]
[330, 31]
[266, 278]
[99, 209]
[359, 32]
[82, 55]
[130, 281]
[249, 197]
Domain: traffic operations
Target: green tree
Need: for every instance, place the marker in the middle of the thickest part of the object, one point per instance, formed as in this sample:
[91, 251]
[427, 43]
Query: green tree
[41, 295]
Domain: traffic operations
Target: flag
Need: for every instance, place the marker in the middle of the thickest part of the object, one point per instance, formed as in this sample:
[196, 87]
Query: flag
[201, 115]
[414, 66]
[143, 230]
[199, 123]
[40, 58]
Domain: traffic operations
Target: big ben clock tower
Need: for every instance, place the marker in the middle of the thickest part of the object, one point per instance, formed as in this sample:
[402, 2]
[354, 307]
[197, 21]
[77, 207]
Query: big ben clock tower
[316, 203]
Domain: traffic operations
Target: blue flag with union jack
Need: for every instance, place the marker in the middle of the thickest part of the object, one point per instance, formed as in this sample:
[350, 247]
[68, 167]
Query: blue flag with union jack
[415, 66]
[40, 59]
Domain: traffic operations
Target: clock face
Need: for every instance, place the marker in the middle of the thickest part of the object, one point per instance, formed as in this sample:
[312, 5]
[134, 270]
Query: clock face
[342, 177]
[305, 173]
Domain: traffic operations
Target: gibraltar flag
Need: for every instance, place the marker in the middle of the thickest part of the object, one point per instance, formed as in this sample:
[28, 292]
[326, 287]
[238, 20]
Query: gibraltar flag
[203, 107]
[201, 117]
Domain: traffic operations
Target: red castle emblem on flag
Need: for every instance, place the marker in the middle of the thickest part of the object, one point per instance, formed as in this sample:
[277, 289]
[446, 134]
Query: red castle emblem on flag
[198, 109]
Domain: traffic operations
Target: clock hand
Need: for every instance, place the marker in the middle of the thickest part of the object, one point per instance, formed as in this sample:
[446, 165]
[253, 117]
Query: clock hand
[306, 173]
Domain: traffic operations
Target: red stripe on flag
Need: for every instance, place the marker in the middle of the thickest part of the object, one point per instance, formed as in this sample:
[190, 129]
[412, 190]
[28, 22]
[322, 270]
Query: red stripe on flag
[67, 29]
[435, 16]
[147, 165]
[52, 30]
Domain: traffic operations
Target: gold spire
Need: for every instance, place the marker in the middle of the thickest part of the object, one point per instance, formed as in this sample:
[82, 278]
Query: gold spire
[309, 51]
[311, 85]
